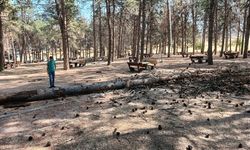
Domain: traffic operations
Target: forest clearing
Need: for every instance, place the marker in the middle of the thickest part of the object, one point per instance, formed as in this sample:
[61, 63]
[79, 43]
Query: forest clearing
[209, 111]
[124, 74]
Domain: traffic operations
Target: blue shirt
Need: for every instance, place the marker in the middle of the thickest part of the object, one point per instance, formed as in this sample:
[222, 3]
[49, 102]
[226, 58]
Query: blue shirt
[51, 66]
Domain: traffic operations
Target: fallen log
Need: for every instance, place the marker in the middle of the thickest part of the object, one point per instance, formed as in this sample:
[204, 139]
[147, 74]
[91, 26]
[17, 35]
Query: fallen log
[42, 94]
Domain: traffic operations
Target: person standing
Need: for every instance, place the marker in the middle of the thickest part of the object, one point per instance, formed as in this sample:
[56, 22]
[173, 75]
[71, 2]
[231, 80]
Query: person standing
[51, 68]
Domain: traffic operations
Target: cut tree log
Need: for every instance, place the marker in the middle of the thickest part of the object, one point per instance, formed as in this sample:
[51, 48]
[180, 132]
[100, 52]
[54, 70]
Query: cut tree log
[44, 94]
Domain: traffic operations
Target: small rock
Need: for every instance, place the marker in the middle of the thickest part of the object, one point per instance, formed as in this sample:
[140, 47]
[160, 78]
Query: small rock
[182, 101]
[208, 119]
[222, 100]
[151, 108]
[77, 115]
[34, 116]
[159, 127]
[62, 128]
[48, 144]
[30, 138]
[242, 103]
[229, 101]
[236, 105]
[87, 108]
[43, 134]
[98, 71]
[147, 132]
[153, 103]
[174, 100]
[144, 112]
[195, 104]
[114, 117]
[184, 104]
[207, 136]
[240, 146]
[189, 147]
[248, 111]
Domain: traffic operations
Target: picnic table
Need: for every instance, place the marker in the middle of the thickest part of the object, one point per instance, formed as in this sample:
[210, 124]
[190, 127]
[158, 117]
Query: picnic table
[77, 63]
[9, 64]
[198, 58]
[139, 66]
[231, 55]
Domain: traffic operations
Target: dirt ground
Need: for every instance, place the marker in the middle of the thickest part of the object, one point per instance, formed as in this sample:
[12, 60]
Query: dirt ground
[145, 117]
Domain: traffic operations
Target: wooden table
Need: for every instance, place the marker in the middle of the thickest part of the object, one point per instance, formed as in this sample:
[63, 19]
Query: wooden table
[139, 66]
[77, 63]
[9, 64]
[198, 58]
[231, 55]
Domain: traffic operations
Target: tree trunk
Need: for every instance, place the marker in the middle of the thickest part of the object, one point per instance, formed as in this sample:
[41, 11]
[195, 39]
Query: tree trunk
[1, 44]
[194, 24]
[113, 29]
[169, 29]
[143, 28]
[238, 37]
[210, 33]
[102, 51]
[134, 42]
[224, 29]
[182, 33]
[109, 31]
[94, 30]
[247, 33]
[244, 31]
[216, 28]
[138, 32]
[204, 33]
[62, 22]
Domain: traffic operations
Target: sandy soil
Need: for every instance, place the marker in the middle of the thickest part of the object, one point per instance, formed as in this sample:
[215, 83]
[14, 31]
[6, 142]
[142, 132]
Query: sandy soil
[152, 117]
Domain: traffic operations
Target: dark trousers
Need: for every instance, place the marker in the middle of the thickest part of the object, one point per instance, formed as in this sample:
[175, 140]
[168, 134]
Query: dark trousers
[52, 79]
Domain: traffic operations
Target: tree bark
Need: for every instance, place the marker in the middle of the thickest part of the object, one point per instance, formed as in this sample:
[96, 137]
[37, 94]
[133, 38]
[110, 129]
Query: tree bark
[244, 31]
[1, 44]
[62, 22]
[143, 29]
[210, 33]
[204, 33]
[224, 29]
[102, 51]
[194, 24]
[247, 33]
[169, 29]
[94, 30]
[109, 31]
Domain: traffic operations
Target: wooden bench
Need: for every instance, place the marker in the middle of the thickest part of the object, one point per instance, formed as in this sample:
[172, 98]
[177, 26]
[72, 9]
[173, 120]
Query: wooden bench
[139, 66]
[231, 55]
[77, 63]
[198, 58]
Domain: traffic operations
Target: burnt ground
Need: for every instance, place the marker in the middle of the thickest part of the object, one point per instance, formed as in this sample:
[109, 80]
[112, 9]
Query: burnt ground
[208, 110]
